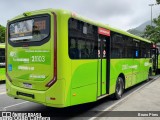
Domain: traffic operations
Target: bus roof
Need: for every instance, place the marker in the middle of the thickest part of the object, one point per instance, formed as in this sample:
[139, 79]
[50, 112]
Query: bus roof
[76, 16]
[84, 19]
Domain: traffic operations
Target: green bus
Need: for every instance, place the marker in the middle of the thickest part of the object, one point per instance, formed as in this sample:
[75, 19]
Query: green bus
[2, 61]
[59, 59]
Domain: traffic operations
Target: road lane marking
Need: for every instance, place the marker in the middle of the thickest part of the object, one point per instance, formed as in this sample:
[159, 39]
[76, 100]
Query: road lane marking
[16, 104]
[119, 101]
[2, 93]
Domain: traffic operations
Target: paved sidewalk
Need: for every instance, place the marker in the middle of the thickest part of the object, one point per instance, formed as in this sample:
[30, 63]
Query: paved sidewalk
[145, 99]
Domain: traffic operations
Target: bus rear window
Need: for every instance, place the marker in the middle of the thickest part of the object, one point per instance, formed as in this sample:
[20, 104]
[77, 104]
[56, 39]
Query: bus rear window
[29, 30]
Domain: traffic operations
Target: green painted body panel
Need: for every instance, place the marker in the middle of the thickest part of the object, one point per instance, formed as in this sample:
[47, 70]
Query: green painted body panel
[42, 97]
[104, 71]
[78, 81]
[159, 61]
[2, 74]
[2, 45]
[2, 70]
[26, 69]
[134, 70]
[101, 79]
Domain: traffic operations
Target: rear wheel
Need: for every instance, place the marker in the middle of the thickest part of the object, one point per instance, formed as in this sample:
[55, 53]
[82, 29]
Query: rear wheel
[119, 88]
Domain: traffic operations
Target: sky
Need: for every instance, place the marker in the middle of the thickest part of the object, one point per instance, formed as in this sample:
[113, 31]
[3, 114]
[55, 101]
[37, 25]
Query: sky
[122, 14]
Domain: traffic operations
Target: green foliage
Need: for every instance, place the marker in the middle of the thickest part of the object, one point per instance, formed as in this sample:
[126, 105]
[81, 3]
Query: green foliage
[153, 32]
[2, 34]
[158, 1]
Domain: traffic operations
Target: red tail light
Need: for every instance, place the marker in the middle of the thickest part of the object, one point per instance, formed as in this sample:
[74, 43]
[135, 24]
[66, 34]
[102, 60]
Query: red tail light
[6, 55]
[55, 54]
[51, 82]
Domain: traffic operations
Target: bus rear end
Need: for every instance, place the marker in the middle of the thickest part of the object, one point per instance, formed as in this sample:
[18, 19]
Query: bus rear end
[32, 58]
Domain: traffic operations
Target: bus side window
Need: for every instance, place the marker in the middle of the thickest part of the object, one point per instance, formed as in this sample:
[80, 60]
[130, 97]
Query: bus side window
[82, 40]
[136, 48]
[73, 49]
[117, 46]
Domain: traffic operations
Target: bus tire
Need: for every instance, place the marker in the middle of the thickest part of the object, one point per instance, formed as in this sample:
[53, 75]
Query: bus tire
[119, 88]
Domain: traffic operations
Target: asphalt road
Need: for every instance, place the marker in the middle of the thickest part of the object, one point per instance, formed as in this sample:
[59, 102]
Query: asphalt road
[85, 111]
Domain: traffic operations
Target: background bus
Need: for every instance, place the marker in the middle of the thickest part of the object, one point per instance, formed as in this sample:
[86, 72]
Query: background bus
[58, 58]
[2, 61]
[155, 50]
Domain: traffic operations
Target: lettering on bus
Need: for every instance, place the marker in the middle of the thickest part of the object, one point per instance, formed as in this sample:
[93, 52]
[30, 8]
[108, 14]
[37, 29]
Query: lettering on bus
[37, 76]
[125, 67]
[36, 51]
[103, 31]
[12, 54]
[146, 64]
[25, 68]
[38, 58]
[21, 59]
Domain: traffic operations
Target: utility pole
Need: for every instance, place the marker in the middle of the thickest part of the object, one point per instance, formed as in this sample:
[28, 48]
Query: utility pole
[151, 5]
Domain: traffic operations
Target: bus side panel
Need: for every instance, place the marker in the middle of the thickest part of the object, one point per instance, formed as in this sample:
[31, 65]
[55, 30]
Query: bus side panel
[134, 70]
[141, 70]
[2, 74]
[147, 66]
[115, 70]
[144, 69]
[84, 81]
[158, 62]
[55, 95]
[119, 66]
[83, 94]
[63, 61]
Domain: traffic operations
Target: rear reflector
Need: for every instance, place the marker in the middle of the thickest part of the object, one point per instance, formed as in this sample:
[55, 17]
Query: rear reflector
[52, 98]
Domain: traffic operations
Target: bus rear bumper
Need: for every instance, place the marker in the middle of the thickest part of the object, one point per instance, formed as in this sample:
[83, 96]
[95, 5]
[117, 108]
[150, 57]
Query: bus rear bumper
[47, 97]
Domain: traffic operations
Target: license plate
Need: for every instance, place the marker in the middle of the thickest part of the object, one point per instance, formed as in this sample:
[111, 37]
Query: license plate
[27, 85]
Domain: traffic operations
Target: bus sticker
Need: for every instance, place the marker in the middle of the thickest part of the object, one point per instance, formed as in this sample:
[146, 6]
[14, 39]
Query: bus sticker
[99, 53]
[104, 53]
[10, 67]
[125, 67]
[37, 76]
[12, 54]
[25, 68]
[21, 59]
[146, 64]
[103, 31]
[38, 58]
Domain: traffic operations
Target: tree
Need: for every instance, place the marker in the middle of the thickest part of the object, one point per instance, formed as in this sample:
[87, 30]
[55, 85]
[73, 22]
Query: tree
[153, 32]
[2, 34]
[158, 1]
